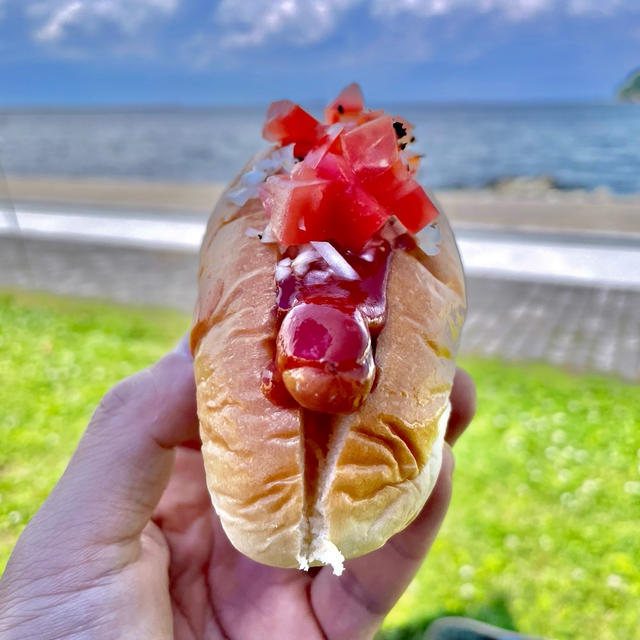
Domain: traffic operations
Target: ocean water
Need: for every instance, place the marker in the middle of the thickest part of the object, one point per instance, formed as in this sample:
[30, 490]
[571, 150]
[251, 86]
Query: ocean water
[581, 146]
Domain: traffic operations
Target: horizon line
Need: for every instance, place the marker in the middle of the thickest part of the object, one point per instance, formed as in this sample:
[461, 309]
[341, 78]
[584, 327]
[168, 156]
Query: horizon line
[171, 105]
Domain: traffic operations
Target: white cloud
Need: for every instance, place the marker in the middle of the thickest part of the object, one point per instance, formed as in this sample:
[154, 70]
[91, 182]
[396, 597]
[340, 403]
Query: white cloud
[53, 29]
[513, 9]
[54, 17]
[254, 22]
[578, 7]
[231, 27]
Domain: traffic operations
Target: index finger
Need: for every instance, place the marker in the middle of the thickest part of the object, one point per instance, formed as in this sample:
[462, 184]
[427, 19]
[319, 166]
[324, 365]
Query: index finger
[123, 462]
[463, 405]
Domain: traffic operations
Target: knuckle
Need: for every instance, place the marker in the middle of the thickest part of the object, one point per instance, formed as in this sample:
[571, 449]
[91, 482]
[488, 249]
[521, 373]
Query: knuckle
[126, 393]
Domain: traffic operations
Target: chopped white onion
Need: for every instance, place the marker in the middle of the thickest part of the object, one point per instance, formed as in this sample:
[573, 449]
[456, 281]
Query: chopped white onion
[335, 129]
[368, 255]
[253, 177]
[270, 164]
[316, 276]
[429, 238]
[252, 233]
[305, 257]
[267, 235]
[335, 260]
[283, 269]
[287, 157]
[277, 160]
[239, 196]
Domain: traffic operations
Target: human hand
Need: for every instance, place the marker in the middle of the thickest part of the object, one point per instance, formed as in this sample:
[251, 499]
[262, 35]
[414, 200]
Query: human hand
[128, 545]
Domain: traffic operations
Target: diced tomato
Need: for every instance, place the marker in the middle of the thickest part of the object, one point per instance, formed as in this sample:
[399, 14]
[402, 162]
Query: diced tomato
[335, 167]
[368, 116]
[288, 123]
[299, 210]
[357, 217]
[371, 148]
[388, 181]
[411, 205]
[352, 177]
[331, 143]
[317, 211]
[304, 172]
[326, 165]
[347, 106]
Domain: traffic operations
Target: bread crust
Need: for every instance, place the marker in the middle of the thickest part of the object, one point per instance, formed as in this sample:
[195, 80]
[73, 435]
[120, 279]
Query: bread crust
[288, 493]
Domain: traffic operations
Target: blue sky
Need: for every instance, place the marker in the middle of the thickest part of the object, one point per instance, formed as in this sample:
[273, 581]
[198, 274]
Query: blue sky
[251, 51]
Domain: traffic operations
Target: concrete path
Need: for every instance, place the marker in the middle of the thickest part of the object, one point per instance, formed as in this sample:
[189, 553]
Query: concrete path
[553, 210]
[579, 326]
[586, 258]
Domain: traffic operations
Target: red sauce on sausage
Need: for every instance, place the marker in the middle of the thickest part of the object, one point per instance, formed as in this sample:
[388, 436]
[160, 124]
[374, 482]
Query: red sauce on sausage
[319, 285]
[324, 354]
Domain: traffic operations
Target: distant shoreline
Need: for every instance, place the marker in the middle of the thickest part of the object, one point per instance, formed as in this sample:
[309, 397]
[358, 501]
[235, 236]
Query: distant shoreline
[465, 145]
[517, 208]
[317, 106]
[537, 185]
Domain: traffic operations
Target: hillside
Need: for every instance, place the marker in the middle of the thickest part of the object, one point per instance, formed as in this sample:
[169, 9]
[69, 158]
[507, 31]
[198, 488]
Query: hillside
[630, 90]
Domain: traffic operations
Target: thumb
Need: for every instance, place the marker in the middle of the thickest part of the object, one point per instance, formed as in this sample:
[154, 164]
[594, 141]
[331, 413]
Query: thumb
[123, 462]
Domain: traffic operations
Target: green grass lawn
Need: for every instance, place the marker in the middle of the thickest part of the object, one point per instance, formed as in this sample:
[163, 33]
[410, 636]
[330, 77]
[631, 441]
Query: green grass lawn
[543, 535]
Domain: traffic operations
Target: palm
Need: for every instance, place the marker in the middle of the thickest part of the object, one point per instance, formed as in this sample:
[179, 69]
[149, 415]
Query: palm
[215, 591]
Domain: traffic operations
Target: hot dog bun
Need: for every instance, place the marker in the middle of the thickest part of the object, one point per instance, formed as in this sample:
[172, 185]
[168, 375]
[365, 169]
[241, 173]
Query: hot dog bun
[293, 488]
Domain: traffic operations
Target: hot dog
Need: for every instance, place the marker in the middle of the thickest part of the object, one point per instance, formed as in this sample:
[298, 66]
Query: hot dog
[324, 345]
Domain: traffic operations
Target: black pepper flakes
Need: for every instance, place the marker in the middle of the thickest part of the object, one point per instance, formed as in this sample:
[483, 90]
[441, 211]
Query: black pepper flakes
[340, 109]
[401, 132]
